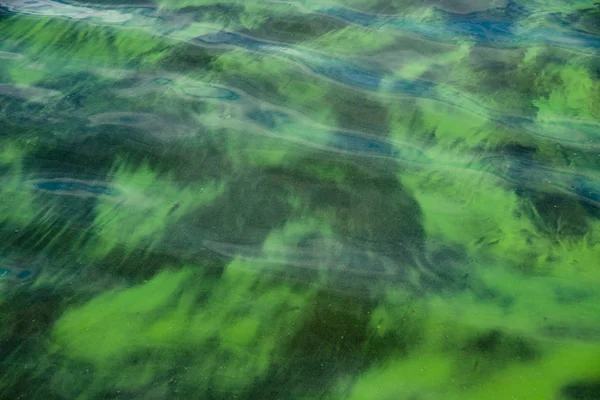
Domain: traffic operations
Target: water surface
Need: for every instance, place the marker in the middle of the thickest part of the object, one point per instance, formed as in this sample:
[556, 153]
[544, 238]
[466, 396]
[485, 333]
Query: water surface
[358, 200]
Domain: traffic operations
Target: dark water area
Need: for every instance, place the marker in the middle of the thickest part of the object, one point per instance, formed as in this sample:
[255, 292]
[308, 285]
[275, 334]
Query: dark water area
[364, 200]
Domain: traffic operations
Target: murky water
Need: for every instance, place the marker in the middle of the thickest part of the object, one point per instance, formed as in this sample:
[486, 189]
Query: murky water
[369, 199]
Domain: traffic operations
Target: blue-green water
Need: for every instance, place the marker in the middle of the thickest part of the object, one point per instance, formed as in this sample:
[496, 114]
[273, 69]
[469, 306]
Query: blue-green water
[364, 200]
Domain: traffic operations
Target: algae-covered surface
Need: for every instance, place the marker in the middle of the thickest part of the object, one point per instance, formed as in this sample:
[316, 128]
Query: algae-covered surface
[360, 199]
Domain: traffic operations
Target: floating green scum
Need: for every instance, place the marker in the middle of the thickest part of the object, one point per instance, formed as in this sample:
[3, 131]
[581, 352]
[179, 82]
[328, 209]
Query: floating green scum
[364, 200]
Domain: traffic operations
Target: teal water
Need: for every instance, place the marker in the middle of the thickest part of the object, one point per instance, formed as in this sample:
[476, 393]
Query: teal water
[364, 200]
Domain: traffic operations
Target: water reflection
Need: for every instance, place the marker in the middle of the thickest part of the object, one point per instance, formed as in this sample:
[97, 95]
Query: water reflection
[251, 200]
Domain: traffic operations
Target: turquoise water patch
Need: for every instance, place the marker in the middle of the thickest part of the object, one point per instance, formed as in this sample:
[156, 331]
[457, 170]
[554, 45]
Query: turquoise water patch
[16, 274]
[74, 187]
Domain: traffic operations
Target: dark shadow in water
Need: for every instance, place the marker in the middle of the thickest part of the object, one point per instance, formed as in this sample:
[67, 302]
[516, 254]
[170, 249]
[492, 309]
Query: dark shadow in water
[582, 391]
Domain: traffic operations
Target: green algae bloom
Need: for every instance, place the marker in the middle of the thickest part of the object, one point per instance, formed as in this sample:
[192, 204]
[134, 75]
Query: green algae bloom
[362, 200]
